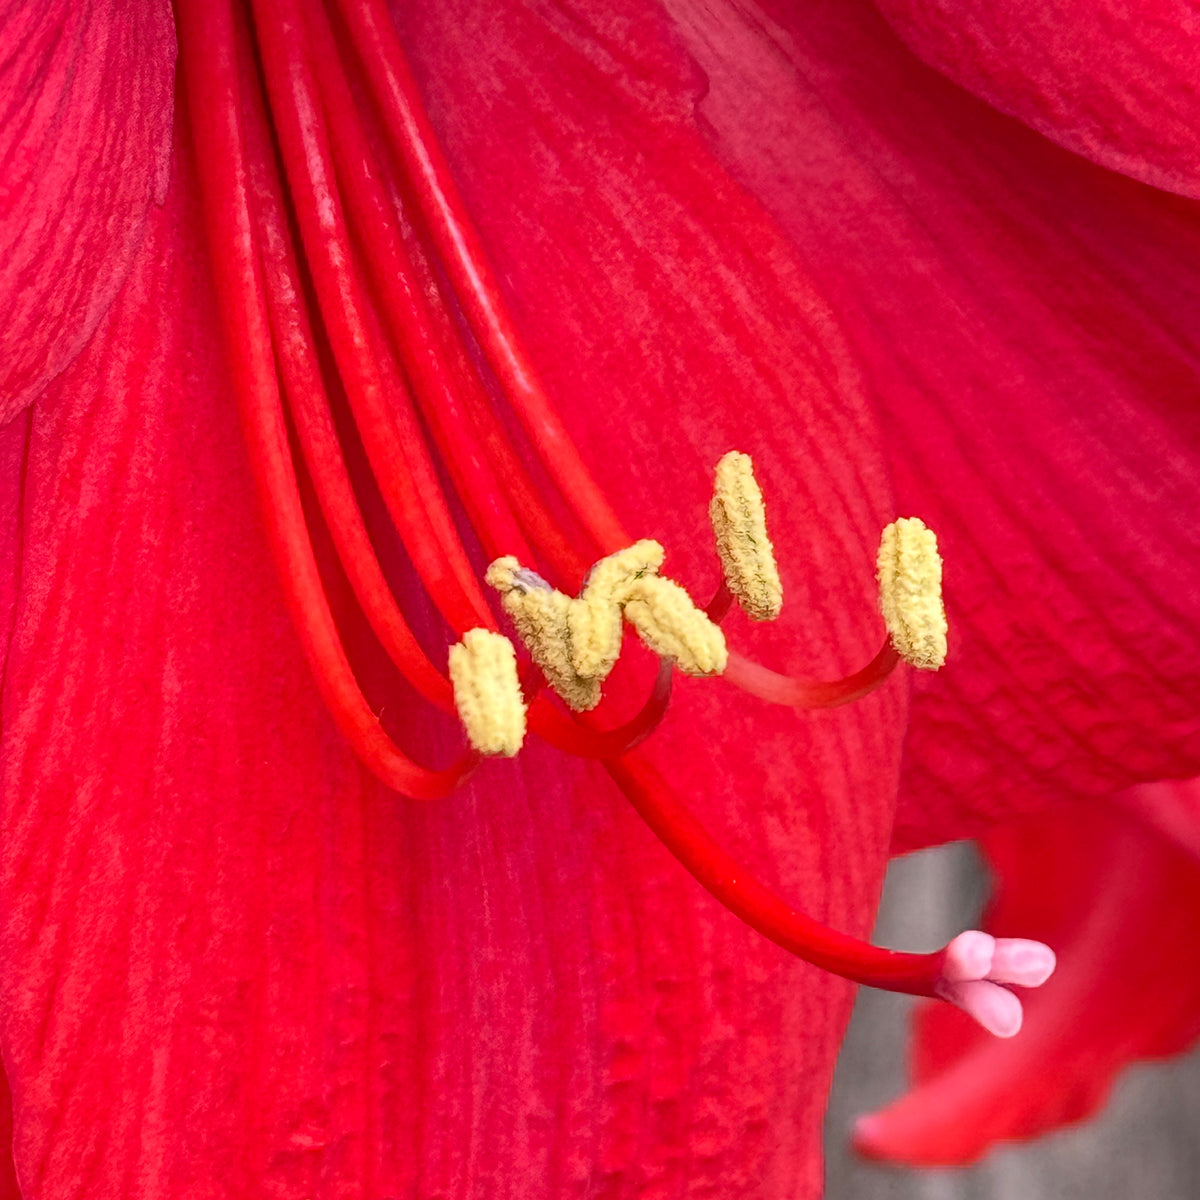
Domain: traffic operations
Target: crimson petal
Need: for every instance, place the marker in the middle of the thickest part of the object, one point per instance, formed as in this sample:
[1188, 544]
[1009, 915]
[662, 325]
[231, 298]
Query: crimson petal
[1121, 905]
[85, 140]
[1111, 81]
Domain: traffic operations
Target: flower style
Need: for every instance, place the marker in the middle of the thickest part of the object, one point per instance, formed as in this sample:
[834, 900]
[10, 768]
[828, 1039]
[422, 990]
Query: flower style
[234, 961]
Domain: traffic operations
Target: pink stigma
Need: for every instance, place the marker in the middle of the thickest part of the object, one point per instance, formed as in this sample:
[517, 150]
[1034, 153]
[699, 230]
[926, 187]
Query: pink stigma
[978, 969]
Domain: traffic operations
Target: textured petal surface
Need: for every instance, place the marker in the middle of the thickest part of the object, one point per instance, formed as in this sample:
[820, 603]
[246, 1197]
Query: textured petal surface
[85, 136]
[235, 964]
[1028, 322]
[1113, 81]
[1121, 905]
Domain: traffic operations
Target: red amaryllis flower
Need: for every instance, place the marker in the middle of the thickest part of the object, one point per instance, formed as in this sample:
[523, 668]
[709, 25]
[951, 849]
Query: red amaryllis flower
[235, 961]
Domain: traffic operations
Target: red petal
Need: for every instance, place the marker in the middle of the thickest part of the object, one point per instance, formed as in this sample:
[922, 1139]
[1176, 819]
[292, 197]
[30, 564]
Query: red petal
[85, 139]
[1111, 81]
[1121, 907]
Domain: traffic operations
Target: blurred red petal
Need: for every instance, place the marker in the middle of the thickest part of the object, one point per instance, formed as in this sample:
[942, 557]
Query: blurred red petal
[85, 139]
[1112, 81]
[9, 1189]
[1121, 906]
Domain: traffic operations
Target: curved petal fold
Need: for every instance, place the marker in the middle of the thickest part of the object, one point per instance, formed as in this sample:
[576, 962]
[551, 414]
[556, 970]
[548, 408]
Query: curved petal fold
[1121, 906]
[1113, 81]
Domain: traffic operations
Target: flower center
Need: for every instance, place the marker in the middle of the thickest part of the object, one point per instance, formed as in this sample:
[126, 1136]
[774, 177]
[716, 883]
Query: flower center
[389, 269]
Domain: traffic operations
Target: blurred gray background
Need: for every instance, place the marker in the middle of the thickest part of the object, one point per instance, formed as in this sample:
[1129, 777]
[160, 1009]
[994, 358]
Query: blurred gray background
[1145, 1145]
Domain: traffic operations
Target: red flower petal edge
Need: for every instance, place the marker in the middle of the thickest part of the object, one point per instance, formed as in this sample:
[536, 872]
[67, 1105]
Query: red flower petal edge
[1113, 81]
[1121, 905]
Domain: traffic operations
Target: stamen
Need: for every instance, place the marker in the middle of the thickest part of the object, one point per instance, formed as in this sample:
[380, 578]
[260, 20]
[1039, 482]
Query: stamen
[406, 308]
[739, 521]
[390, 432]
[306, 396]
[673, 627]
[910, 592]
[487, 692]
[594, 620]
[540, 614]
[415, 143]
[210, 40]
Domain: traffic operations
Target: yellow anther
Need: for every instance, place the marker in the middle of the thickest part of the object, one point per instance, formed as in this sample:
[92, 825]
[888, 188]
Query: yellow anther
[539, 613]
[909, 569]
[671, 625]
[487, 692]
[594, 620]
[612, 574]
[739, 521]
[507, 575]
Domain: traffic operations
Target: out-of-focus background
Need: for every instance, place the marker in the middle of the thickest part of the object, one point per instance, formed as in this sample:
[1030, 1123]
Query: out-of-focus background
[1145, 1145]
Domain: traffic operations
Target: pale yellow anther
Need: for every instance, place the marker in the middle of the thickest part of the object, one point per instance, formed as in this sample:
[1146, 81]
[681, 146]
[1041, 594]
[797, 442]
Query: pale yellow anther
[539, 613]
[672, 626]
[594, 619]
[611, 574]
[739, 521]
[909, 569]
[487, 692]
